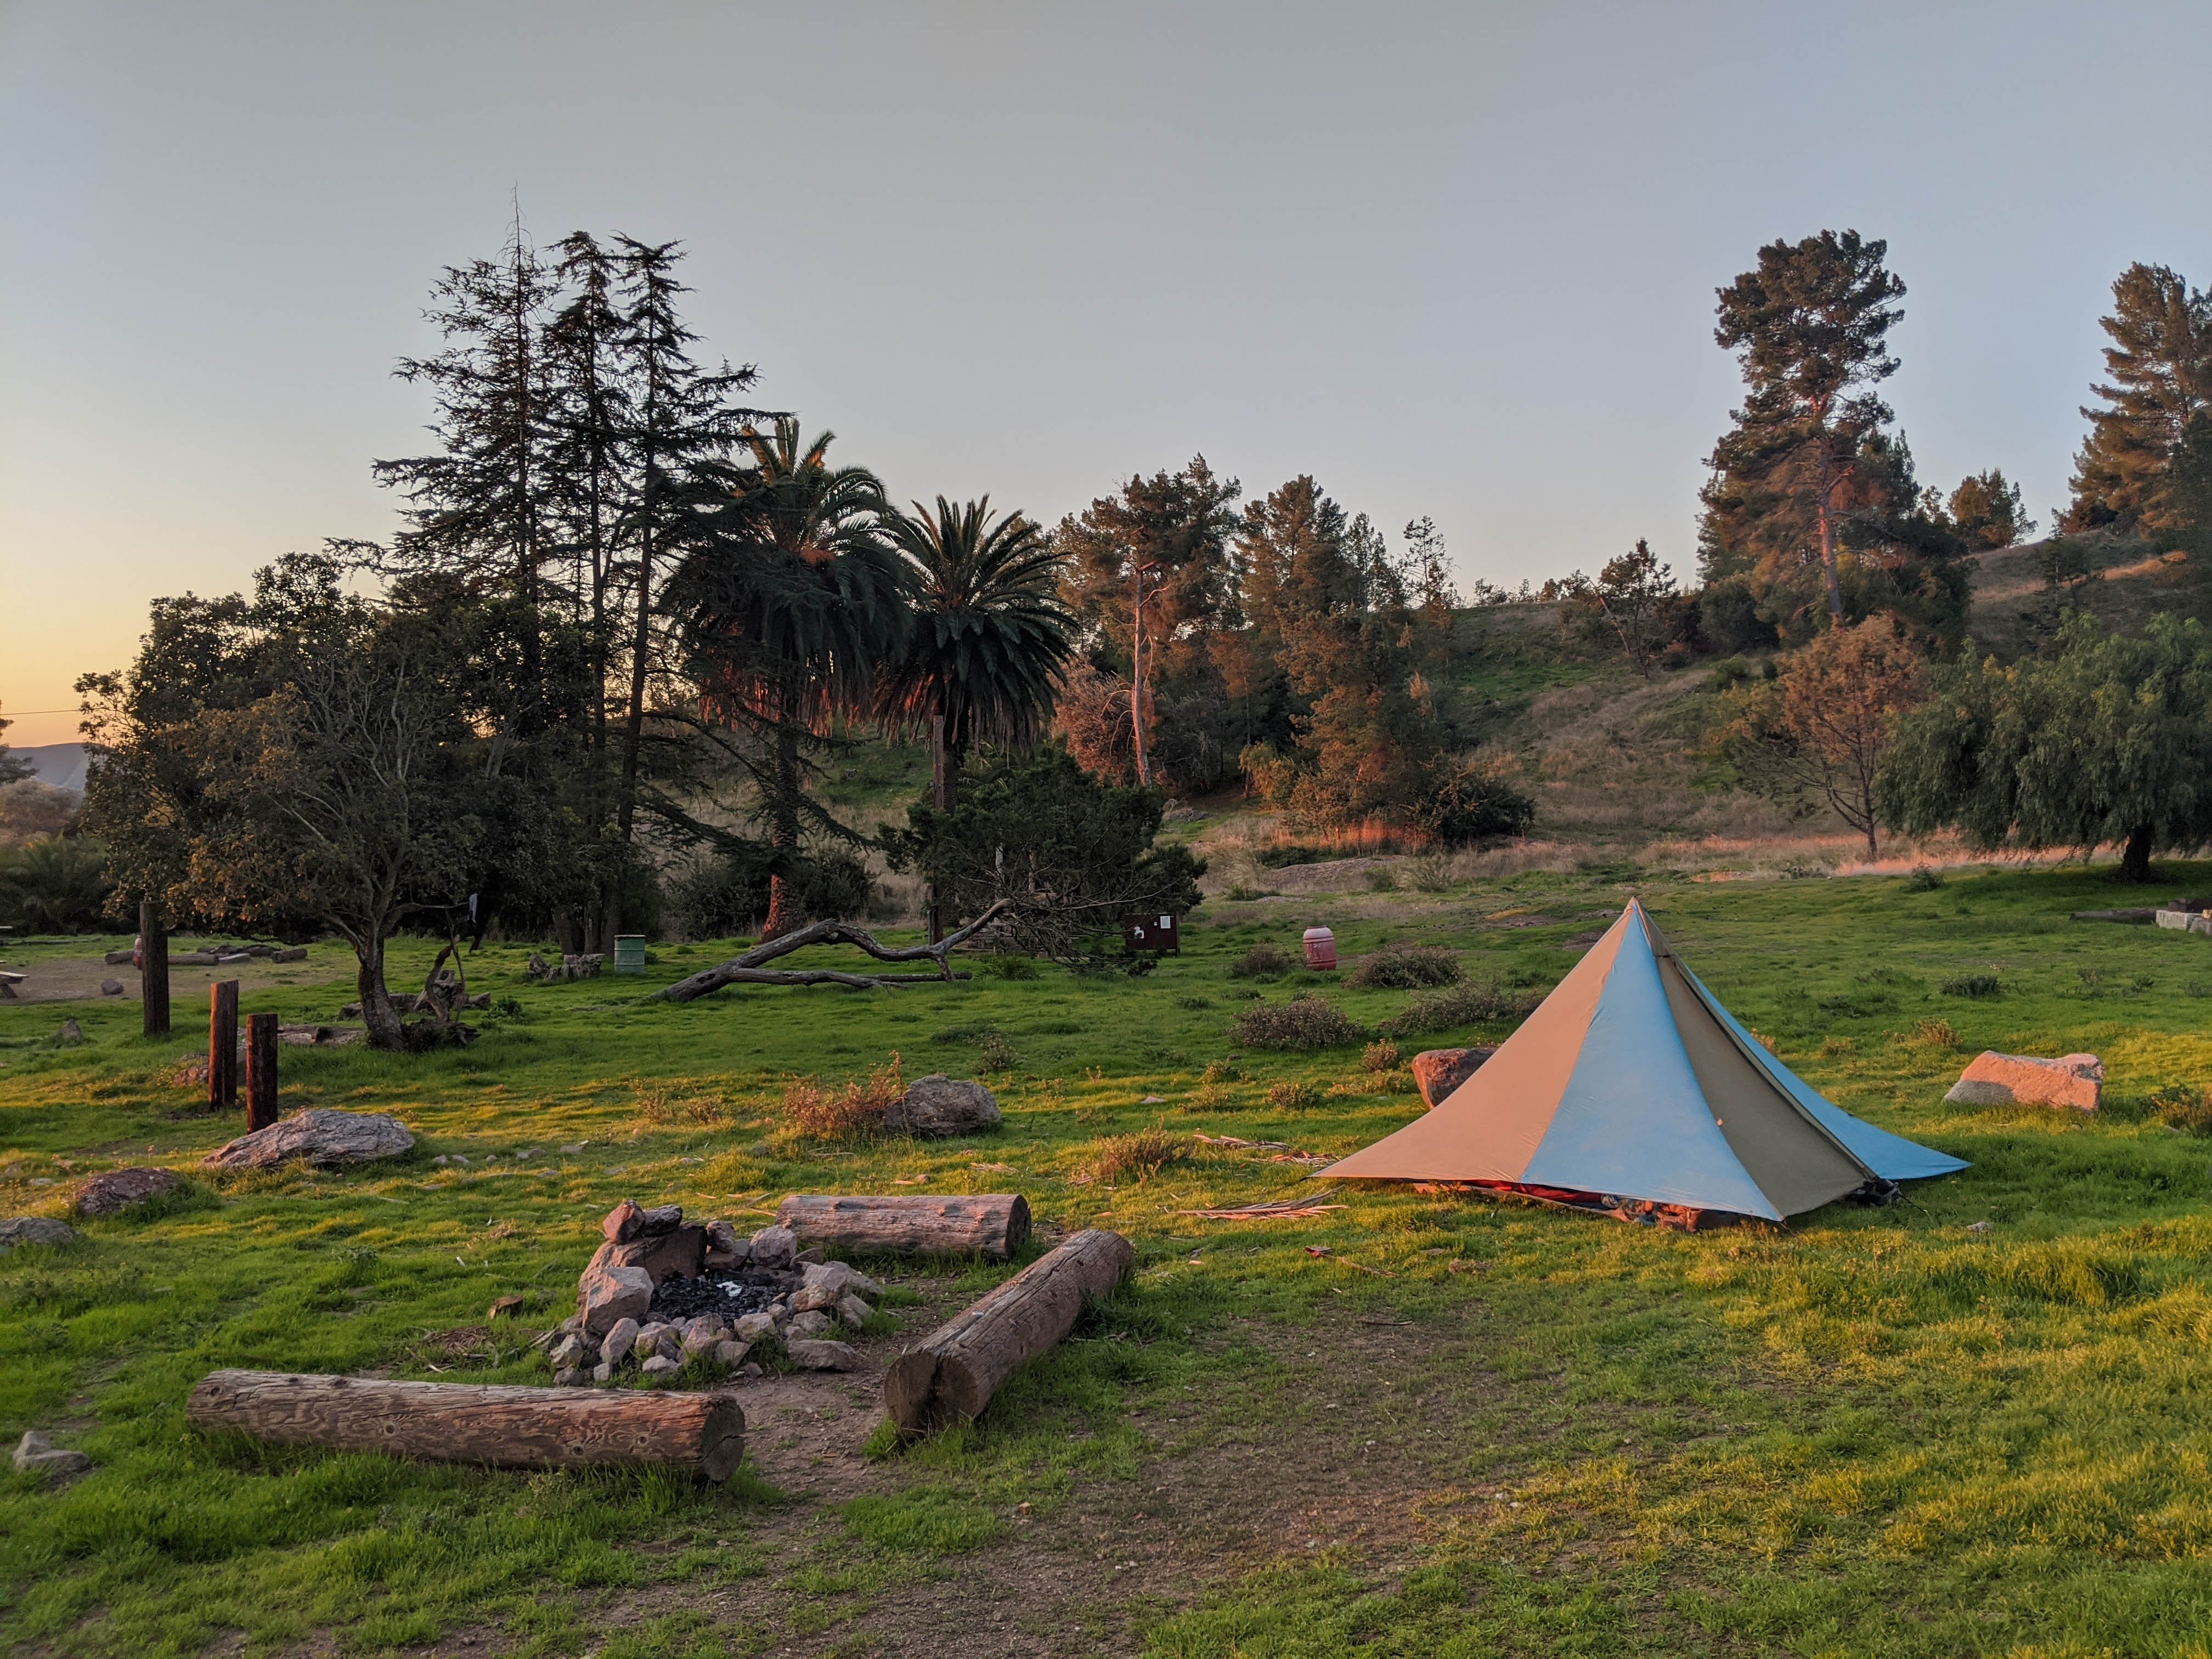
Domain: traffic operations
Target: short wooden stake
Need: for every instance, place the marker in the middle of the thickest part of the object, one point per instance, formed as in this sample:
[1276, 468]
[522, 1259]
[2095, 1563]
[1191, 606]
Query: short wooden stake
[222, 1043]
[260, 1071]
[153, 970]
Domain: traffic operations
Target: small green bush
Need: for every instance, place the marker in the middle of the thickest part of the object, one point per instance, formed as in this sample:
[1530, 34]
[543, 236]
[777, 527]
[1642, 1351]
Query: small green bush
[1293, 1094]
[1009, 966]
[1263, 961]
[1971, 985]
[1306, 1023]
[2181, 1107]
[1924, 878]
[998, 1054]
[1408, 967]
[1463, 1004]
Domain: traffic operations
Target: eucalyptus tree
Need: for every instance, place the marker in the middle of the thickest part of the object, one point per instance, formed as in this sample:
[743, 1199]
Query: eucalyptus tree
[790, 597]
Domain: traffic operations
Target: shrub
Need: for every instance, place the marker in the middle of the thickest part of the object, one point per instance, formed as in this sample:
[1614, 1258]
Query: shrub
[1281, 854]
[1008, 966]
[1310, 1022]
[1143, 1154]
[856, 1109]
[1379, 880]
[1262, 962]
[1432, 871]
[998, 1054]
[1380, 1056]
[1971, 985]
[1463, 1004]
[54, 885]
[1936, 1034]
[1408, 967]
[1924, 878]
[2181, 1107]
[1292, 1094]
[1470, 807]
[727, 896]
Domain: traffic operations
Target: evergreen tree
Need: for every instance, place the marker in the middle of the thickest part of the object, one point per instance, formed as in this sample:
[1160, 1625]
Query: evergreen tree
[1296, 558]
[1987, 512]
[2161, 367]
[1809, 327]
[1628, 601]
[2107, 740]
[13, 768]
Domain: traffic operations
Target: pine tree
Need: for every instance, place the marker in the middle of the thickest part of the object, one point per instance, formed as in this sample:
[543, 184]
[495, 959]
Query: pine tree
[2161, 368]
[1810, 328]
[1987, 512]
[12, 769]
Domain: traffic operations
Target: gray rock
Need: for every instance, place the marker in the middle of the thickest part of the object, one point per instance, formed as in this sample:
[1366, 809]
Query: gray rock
[665, 1218]
[34, 1229]
[570, 1350]
[811, 1256]
[731, 1354]
[71, 1034]
[811, 1323]
[854, 1311]
[36, 1455]
[111, 988]
[807, 1298]
[842, 1280]
[621, 1338]
[603, 1373]
[607, 1294]
[936, 1106]
[824, 1356]
[570, 1376]
[701, 1334]
[323, 1137]
[118, 1189]
[656, 1340]
[724, 1247]
[775, 1248]
[756, 1327]
[660, 1366]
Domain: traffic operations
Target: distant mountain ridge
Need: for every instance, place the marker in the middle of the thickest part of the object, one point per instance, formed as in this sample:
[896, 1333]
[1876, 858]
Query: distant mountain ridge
[61, 764]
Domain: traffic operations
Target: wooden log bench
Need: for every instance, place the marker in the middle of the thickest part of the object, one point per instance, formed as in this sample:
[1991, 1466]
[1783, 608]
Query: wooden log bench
[504, 1427]
[993, 1224]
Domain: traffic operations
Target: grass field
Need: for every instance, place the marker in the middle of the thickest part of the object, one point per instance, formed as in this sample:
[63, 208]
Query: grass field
[1471, 1428]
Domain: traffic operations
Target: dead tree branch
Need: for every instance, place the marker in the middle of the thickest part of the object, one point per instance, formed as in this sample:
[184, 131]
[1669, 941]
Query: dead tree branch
[751, 968]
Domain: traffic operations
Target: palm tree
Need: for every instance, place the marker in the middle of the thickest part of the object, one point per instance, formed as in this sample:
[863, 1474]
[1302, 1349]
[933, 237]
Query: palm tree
[792, 598]
[990, 637]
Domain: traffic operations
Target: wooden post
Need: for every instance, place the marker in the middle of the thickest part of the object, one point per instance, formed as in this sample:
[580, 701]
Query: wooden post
[222, 1043]
[507, 1426]
[153, 970]
[260, 1071]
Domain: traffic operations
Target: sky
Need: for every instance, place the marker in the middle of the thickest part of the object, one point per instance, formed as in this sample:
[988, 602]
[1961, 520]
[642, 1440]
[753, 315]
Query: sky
[1453, 260]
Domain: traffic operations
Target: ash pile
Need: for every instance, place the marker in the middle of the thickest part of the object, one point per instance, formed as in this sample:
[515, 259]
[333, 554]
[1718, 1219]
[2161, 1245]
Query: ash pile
[664, 1296]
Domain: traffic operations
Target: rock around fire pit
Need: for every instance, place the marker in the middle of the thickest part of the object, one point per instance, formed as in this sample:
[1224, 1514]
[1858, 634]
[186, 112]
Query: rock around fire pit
[662, 1293]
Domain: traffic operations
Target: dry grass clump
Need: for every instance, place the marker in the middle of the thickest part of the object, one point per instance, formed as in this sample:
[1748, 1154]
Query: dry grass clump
[1262, 962]
[1936, 1034]
[1306, 1023]
[1463, 1004]
[1381, 1056]
[1138, 1156]
[855, 1110]
[998, 1054]
[663, 1105]
[1293, 1094]
[2181, 1107]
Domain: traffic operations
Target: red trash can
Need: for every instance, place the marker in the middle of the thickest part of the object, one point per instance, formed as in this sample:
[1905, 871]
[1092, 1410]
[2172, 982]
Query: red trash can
[1320, 948]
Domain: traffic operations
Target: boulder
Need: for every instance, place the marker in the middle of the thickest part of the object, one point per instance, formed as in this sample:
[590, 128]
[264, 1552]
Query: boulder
[1437, 1072]
[321, 1136]
[622, 1222]
[34, 1229]
[111, 988]
[817, 1356]
[775, 1248]
[1995, 1079]
[36, 1455]
[607, 1294]
[118, 1189]
[936, 1106]
[678, 1255]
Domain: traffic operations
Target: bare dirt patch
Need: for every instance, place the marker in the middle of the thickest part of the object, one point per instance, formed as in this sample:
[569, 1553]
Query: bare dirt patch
[77, 979]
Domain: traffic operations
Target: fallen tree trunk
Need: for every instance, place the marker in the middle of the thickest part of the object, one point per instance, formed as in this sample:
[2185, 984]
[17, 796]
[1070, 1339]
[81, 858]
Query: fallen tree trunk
[994, 1225]
[751, 968]
[952, 1377]
[508, 1427]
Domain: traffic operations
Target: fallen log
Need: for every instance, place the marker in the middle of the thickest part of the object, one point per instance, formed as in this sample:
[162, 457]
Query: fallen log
[994, 1225]
[504, 1427]
[751, 968]
[952, 1377]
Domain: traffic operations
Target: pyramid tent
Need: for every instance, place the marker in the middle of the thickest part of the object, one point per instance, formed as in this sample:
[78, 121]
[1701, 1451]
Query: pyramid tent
[1631, 1081]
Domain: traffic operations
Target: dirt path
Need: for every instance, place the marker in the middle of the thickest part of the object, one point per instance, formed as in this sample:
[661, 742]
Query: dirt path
[78, 978]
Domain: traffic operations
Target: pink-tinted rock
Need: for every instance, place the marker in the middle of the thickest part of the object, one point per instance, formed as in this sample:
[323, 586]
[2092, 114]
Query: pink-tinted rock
[623, 1223]
[679, 1254]
[1995, 1080]
[609, 1292]
[1437, 1072]
[118, 1189]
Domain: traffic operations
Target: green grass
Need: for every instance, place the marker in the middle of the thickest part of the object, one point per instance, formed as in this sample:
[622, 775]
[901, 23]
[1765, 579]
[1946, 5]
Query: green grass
[1876, 1433]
